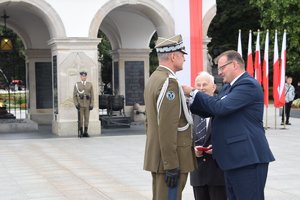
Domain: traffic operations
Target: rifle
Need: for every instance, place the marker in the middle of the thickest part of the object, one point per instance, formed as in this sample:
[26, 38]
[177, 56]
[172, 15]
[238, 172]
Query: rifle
[78, 122]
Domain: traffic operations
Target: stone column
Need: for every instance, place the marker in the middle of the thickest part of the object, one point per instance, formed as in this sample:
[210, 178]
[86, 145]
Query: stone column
[129, 67]
[207, 62]
[69, 57]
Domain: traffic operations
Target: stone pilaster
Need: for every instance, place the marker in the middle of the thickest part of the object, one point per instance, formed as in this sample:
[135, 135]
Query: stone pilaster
[69, 57]
[207, 62]
[122, 59]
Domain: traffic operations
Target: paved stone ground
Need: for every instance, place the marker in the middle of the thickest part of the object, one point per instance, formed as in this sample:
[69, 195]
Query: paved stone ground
[42, 166]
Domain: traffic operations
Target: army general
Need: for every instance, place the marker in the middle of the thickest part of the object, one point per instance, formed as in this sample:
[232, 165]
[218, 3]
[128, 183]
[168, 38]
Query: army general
[169, 154]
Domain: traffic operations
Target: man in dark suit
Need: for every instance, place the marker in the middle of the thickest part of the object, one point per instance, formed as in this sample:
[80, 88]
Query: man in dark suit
[208, 179]
[239, 143]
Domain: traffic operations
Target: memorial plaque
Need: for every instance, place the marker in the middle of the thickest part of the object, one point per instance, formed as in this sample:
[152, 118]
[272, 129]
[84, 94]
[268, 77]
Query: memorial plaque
[43, 77]
[116, 86]
[28, 84]
[54, 74]
[134, 82]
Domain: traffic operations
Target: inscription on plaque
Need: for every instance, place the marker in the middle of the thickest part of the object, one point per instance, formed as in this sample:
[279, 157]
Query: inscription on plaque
[134, 82]
[54, 62]
[43, 76]
[116, 77]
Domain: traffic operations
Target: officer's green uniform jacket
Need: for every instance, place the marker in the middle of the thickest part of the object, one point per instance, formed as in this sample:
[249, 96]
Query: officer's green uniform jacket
[166, 147]
[85, 90]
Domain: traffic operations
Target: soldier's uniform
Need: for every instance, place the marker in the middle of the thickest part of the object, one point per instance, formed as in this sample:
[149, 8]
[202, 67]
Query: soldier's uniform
[168, 128]
[83, 97]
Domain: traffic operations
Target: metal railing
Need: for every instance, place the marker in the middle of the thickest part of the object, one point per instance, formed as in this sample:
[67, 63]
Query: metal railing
[15, 101]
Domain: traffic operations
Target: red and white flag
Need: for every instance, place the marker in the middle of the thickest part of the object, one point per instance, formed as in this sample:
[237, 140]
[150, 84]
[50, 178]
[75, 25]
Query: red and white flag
[266, 70]
[249, 57]
[196, 54]
[257, 60]
[239, 47]
[276, 74]
[282, 70]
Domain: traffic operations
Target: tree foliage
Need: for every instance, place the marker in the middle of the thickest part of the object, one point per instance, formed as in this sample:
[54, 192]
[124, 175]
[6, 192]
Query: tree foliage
[153, 55]
[280, 15]
[231, 16]
[13, 63]
[104, 49]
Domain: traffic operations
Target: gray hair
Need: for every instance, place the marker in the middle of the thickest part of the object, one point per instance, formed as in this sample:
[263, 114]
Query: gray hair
[163, 56]
[205, 74]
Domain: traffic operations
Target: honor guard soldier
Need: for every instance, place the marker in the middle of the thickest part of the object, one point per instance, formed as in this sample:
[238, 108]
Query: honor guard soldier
[83, 97]
[169, 154]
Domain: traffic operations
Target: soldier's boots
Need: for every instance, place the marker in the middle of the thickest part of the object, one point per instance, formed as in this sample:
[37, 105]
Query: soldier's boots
[81, 132]
[85, 134]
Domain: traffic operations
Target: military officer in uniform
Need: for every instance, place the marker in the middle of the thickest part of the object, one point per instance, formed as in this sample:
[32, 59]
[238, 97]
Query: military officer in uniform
[83, 97]
[169, 154]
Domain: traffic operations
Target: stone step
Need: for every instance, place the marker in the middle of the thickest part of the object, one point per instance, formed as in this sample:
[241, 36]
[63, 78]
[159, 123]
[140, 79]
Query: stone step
[115, 121]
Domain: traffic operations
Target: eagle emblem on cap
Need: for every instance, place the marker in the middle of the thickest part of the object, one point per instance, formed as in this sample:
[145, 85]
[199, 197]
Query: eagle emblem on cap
[167, 45]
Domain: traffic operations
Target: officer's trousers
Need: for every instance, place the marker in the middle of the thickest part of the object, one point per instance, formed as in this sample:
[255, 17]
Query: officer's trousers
[160, 189]
[84, 116]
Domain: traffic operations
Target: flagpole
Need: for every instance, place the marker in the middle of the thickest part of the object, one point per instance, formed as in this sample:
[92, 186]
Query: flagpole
[249, 55]
[275, 119]
[283, 114]
[239, 47]
[282, 77]
[275, 77]
[265, 79]
[266, 119]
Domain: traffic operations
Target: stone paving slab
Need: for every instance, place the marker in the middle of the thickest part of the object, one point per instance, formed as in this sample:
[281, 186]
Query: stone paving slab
[110, 166]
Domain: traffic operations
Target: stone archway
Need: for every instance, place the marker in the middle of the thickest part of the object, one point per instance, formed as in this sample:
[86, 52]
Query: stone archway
[35, 22]
[130, 43]
[210, 14]
[160, 17]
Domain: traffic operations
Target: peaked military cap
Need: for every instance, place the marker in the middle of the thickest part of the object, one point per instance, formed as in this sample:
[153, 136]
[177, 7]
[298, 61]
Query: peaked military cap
[167, 45]
[83, 73]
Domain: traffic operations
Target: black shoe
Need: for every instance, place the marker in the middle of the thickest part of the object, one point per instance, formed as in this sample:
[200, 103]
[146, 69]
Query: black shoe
[288, 123]
[85, 135]
[282, 123]
[81, 133]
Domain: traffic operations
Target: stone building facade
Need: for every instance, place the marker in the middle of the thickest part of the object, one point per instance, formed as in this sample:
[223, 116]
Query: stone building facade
[60, 38]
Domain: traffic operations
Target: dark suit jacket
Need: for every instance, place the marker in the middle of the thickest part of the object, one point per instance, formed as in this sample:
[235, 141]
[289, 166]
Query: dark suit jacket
[208, 172]
[238, 135]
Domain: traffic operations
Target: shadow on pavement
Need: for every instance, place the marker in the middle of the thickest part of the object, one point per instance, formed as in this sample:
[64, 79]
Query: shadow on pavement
[133, 130]
[45, 132]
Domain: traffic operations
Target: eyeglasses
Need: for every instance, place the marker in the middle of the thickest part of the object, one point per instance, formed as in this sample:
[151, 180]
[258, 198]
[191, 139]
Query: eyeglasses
[221, 68]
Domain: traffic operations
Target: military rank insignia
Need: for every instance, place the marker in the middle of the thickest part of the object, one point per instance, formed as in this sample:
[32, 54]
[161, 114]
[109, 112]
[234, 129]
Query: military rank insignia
[170, 95]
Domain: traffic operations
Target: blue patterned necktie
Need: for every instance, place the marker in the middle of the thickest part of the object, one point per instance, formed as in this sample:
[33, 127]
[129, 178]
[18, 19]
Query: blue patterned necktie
[227, 89]
[200, 133]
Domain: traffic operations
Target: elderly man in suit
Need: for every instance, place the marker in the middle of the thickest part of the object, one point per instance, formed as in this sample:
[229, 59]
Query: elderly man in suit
[83, 97]
[239, 143]
[169, 154]
[208, 179]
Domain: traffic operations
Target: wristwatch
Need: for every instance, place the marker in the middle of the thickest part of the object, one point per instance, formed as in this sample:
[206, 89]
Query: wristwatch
[192, 93]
